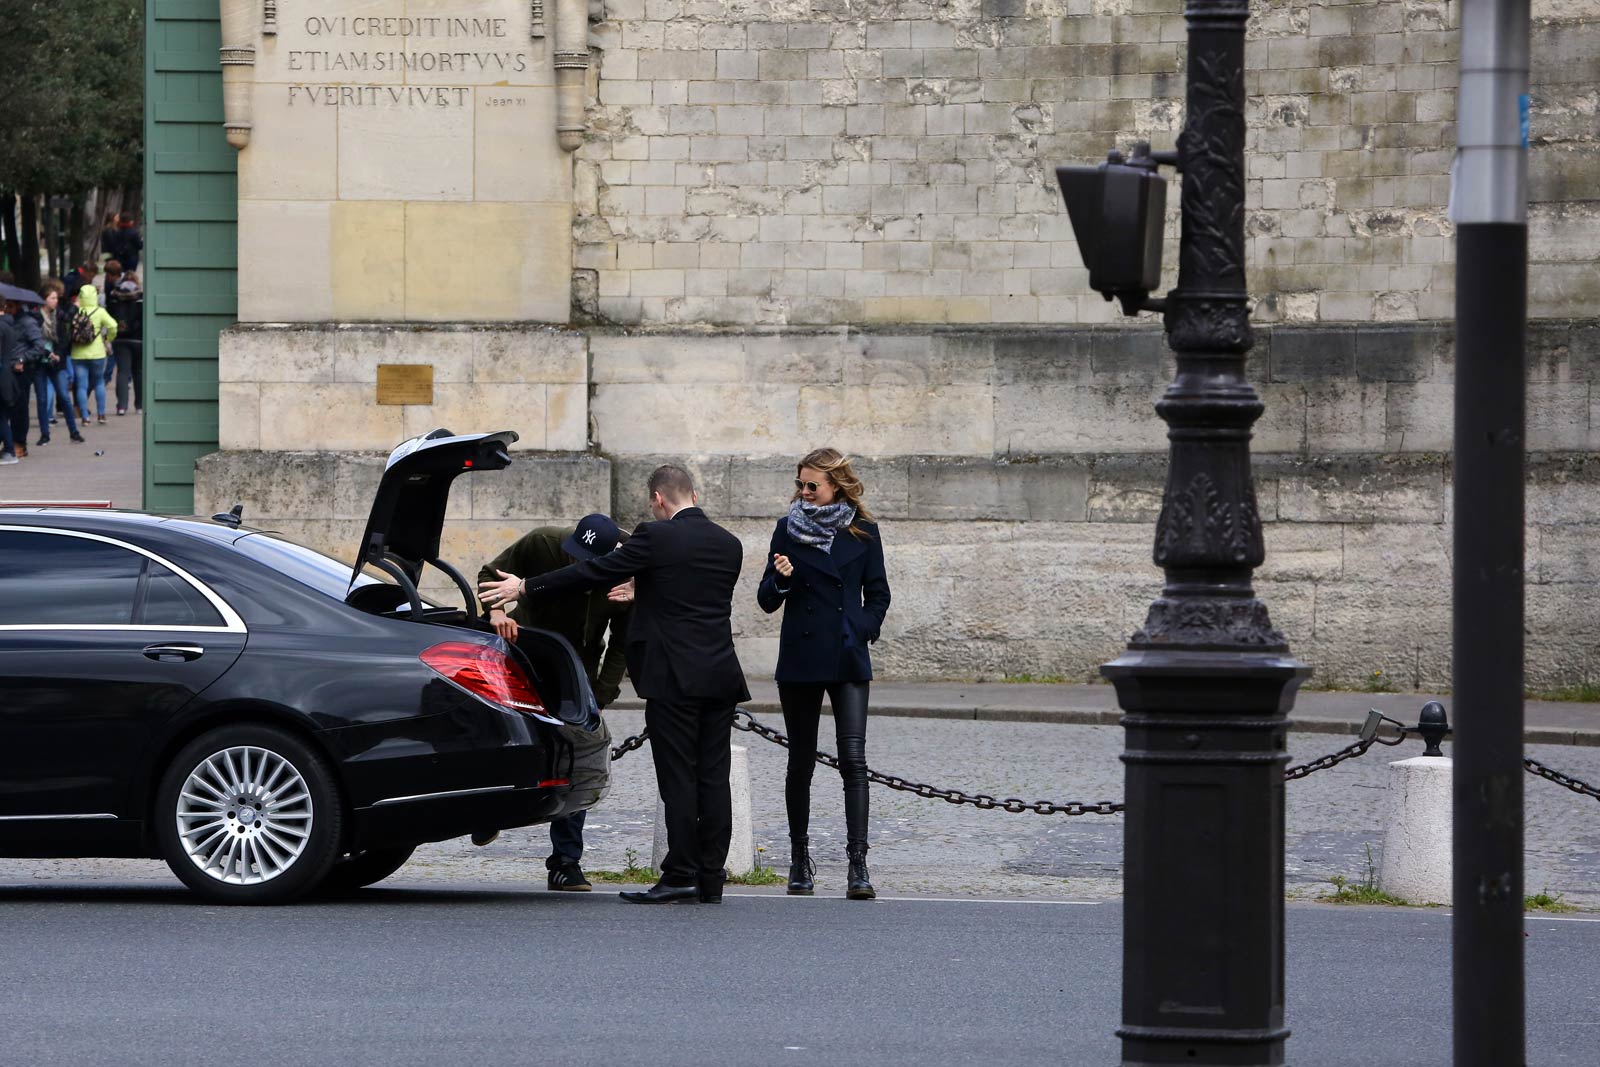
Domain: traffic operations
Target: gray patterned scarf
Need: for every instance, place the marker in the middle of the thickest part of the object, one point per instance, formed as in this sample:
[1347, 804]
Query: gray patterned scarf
[810, 524]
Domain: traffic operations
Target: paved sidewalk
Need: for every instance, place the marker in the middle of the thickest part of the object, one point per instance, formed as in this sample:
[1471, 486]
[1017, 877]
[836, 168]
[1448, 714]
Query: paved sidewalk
[109, 466]
[1547, 722]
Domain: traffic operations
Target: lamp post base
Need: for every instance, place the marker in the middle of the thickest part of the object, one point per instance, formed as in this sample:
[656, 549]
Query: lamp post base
[1203, 908]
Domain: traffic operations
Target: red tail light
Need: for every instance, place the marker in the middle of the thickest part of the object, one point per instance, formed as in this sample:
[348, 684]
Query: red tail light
[487, 674]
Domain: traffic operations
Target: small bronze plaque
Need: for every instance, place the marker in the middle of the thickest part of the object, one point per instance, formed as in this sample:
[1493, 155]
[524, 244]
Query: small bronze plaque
[405, 383]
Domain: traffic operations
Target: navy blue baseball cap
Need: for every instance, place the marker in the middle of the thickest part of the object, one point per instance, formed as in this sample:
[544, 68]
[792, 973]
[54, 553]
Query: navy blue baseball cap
[595, 536]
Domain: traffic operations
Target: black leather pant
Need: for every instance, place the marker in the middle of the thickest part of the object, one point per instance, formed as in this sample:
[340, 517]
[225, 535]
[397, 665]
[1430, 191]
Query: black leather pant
[802, 711]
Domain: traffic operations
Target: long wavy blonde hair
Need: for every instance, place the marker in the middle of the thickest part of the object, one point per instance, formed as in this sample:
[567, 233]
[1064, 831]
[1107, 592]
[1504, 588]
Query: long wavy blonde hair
[836, 465]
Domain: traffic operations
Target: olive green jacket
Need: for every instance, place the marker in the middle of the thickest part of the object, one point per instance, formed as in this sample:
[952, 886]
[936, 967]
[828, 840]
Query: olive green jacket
[581, 616]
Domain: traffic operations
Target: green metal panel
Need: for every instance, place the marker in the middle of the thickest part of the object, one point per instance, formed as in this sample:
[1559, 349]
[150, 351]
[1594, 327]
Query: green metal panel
[191, 245]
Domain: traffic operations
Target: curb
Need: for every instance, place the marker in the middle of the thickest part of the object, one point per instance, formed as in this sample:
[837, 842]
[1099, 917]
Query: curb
[1531, 735]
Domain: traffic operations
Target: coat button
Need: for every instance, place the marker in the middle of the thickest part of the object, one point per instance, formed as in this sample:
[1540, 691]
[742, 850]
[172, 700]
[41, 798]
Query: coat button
[841, 611]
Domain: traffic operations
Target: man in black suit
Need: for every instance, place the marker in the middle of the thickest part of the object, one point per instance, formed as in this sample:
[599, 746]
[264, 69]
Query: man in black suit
[681, 660]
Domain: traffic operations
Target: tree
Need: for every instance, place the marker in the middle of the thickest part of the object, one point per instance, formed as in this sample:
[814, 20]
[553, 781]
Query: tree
[72, 90]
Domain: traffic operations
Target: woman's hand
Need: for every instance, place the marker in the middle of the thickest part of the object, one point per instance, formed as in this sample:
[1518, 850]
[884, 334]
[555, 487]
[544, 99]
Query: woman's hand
[503, 624]
[622, 594]
[499, 594]
[781, 562]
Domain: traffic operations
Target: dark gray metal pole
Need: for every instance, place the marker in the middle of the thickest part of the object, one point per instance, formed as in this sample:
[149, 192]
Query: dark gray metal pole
[1207, 683]
[1489, 207]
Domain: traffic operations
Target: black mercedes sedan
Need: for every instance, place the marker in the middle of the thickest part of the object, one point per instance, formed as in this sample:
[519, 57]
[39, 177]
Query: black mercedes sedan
[267, 719]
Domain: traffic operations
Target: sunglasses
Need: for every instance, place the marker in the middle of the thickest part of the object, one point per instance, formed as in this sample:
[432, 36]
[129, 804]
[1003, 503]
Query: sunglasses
[799, 485]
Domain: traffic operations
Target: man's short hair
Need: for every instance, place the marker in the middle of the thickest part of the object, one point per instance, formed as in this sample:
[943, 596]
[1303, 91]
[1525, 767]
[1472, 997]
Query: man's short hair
[673, 483]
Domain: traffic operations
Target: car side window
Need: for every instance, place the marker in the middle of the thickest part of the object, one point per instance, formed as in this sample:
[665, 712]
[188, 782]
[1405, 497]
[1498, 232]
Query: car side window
[50, 580]
[171, 601]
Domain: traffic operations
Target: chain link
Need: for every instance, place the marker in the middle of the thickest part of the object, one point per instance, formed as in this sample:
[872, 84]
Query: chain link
[629, 744]
[1583, 788]
[949, 796]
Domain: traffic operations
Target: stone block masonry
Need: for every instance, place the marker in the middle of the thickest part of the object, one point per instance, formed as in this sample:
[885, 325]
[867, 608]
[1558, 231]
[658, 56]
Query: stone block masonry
[802, 163]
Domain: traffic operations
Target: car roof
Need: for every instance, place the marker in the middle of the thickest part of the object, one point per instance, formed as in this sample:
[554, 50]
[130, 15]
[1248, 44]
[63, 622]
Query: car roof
[107, 520]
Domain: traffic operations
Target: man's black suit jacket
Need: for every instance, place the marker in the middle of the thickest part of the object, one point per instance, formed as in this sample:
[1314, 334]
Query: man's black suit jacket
[680, 639]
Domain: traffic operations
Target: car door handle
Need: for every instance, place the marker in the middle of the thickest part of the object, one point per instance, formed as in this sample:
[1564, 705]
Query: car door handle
[170, 653]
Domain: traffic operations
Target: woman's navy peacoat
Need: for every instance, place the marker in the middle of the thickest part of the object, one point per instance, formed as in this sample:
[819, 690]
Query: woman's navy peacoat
[836, 604]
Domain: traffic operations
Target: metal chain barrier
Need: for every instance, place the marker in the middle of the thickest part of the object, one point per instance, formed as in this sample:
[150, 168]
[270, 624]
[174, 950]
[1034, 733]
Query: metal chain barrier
[1583, 788]
[1333, 759]
[950, 796]
[629, 744]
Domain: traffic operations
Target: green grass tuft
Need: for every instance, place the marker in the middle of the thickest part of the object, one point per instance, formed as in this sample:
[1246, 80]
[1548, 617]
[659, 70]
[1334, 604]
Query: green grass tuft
[1543, 901]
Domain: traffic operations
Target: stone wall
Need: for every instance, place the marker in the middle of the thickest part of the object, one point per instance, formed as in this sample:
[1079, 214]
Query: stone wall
[1018, 475]
[793, 162]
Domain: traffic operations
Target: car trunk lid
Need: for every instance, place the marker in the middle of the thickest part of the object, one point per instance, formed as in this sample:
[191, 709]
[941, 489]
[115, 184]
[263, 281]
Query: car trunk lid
[407, 516]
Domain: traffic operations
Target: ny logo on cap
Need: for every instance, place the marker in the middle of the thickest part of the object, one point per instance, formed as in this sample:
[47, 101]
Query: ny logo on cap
[588, 537]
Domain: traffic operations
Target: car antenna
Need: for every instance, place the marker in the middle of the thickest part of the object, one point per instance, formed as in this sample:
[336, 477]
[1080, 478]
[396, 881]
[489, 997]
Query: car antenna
[232, 517]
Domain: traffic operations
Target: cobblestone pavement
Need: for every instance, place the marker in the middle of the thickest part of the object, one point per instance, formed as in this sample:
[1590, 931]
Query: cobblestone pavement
[927, 846]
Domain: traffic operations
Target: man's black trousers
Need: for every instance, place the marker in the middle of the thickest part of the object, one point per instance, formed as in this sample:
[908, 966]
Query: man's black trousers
[689, 743]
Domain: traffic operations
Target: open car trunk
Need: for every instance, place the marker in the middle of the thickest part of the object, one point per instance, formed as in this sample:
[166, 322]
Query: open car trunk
[402, 536]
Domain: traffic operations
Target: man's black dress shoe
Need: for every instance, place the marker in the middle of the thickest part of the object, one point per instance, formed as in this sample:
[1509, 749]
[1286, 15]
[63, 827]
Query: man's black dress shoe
[661, 893]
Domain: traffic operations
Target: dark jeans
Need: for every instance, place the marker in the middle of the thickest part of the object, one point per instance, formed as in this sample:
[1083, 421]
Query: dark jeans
[566, 840]
[128, 358]
[42, 382]
[802, 711]
[689, 743]
[19, 410]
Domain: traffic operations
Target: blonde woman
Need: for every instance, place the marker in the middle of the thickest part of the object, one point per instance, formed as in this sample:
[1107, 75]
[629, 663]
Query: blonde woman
[825, 570]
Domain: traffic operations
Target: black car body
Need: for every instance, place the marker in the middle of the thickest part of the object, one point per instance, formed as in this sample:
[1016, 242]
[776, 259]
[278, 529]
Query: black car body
[156, 673]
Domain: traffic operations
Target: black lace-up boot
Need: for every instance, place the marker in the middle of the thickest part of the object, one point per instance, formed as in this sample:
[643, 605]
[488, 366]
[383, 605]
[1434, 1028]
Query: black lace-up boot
[802, 872]
[859, 886]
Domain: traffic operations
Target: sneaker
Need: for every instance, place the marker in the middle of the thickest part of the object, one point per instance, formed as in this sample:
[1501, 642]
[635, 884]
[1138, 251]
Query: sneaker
[568, 878]
[6, 458]
[485, 837]
[102, 419]
[42, 441]
[22, 450]
[77, 439]
[122, 411]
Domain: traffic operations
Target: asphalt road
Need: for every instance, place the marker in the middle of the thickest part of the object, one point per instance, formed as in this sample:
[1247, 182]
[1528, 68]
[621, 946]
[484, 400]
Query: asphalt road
[425, 973]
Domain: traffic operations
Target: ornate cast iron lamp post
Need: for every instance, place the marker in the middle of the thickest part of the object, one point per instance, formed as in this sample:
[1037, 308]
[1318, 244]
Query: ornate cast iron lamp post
[1207, 683]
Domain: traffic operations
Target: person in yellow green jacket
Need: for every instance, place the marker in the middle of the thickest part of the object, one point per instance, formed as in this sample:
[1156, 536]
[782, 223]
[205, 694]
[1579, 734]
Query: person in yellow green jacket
[91, 340]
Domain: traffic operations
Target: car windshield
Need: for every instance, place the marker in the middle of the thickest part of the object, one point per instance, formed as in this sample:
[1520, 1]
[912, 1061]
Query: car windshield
[307, 566]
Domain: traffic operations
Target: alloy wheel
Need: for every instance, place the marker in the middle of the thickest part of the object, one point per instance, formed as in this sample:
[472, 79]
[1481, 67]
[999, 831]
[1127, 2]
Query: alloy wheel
[244, 815]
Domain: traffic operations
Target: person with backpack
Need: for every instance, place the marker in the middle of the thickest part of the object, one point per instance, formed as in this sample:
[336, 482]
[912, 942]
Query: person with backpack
[92, 327]
[51, 380]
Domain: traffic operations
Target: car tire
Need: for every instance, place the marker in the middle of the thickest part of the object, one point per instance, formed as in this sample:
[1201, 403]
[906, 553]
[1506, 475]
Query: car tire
[361, 869]
[249, 814]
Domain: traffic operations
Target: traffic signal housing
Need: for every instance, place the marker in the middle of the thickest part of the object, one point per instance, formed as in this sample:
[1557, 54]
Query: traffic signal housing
[1118, 210]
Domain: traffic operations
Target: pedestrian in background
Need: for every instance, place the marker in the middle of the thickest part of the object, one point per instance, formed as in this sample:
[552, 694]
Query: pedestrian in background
[65, 311]
[91, 328]
[129, 242]
[55, 384]
[583, 617]
[21, 367]
[11, 395]
[36, 356]
[125, 302]
[825, 569]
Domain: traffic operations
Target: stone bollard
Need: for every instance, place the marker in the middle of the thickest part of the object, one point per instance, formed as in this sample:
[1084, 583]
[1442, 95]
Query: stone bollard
[1416, 837]
[742, 848]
